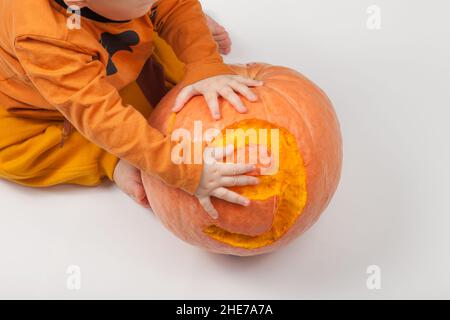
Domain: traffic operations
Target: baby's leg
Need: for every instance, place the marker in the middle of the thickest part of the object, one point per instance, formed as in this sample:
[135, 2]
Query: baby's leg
[31, 154]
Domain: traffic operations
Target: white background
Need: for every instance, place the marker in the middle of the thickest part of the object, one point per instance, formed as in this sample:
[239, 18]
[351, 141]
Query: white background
[391, 91]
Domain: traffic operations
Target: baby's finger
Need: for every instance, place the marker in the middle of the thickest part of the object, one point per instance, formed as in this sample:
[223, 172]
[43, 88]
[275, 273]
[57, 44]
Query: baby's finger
[183, 97]
[228, 93]
[249, 81]
[238, 181]
[231, 169]
[222, 35]
[224, 43]
[230, 196]
[223, 40]
[219, 153]
[225, 47]
[144, 202]
[244, 90]
[225, 51]
[208, 207]
[213, 105]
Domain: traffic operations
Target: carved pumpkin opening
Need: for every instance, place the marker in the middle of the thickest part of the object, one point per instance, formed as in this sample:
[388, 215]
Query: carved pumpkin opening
[288, 185]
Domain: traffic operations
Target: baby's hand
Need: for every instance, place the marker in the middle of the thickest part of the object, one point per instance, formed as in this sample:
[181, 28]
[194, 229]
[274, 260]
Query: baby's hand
[220, 35]
[225, 86]
[218, 175]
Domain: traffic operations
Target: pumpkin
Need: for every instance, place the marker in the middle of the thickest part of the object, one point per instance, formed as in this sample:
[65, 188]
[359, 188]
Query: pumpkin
[287, 202]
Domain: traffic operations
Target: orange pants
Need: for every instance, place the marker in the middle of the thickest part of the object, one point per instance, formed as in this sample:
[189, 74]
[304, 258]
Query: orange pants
[31, 152]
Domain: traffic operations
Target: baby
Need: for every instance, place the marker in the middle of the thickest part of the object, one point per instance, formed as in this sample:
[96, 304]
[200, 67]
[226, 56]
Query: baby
[58, 79]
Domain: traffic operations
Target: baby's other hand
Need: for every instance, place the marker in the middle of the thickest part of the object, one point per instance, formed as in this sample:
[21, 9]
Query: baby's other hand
[217, 176]
[226, 86]
[220, 35]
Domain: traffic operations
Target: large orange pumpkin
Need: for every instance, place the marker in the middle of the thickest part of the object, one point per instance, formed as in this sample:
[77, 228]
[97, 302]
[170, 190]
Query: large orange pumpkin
[284, 205]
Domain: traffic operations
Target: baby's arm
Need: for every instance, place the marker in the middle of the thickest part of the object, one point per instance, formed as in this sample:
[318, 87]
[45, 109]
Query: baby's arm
[75, 83]
[183, 25]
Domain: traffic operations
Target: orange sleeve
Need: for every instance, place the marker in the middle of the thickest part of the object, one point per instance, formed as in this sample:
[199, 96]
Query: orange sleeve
[75, 84]
[183, 25]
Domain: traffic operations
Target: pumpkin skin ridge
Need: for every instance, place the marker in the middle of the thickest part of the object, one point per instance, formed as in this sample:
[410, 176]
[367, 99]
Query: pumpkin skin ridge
[292, 103]
[269, 70]
[308, 94]
[259, 74]
[264, 103]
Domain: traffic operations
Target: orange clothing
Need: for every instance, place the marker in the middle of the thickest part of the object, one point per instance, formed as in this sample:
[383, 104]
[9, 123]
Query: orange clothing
[31, 154]
[50, 72]
[30, 149]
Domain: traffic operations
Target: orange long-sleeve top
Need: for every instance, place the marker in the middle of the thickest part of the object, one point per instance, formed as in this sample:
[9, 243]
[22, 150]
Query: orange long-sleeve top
[49, 71]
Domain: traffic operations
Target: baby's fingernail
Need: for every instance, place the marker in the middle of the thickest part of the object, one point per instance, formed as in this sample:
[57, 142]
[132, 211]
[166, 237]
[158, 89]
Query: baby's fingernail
[247, 203]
